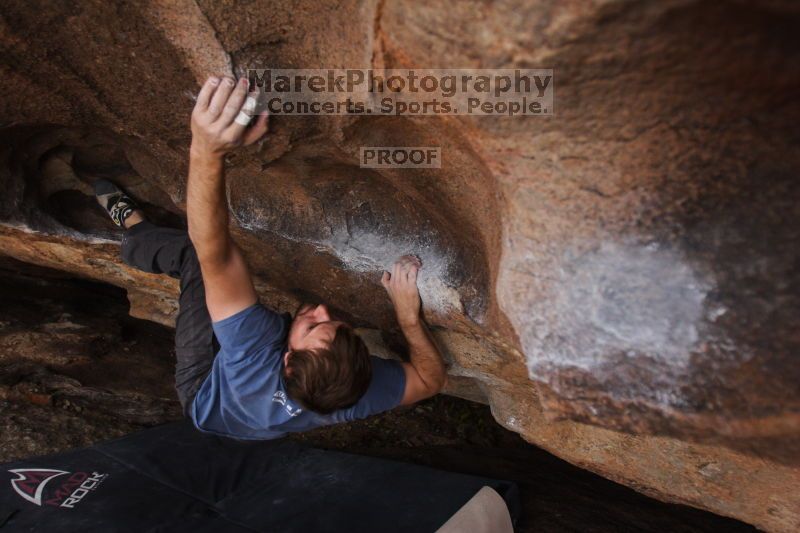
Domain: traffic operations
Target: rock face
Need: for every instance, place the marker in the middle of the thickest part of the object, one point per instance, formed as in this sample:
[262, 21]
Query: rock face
[619, 281]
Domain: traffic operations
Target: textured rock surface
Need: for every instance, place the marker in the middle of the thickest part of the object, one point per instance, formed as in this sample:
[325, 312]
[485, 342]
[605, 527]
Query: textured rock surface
[74, 369]
[619, 281]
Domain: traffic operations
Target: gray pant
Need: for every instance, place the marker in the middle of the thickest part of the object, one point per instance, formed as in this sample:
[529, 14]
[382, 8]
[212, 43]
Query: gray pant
[169, 251]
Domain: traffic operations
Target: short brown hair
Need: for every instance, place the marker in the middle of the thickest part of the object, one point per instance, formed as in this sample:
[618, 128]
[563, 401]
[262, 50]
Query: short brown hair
[329, 379]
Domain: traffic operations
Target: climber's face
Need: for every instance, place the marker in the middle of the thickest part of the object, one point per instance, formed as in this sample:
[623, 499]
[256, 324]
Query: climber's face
[312, 328]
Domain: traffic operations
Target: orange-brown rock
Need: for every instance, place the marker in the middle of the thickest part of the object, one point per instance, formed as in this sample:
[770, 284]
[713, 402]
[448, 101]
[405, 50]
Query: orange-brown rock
[618, 281]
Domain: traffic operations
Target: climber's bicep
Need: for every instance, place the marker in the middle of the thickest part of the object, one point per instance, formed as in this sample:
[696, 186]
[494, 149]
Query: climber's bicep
[228, 285]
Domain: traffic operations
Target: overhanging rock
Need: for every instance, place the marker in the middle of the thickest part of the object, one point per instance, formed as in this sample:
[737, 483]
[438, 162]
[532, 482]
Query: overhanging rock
[619, 281]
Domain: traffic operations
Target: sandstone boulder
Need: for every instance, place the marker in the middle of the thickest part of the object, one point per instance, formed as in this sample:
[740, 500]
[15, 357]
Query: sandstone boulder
[619, 281]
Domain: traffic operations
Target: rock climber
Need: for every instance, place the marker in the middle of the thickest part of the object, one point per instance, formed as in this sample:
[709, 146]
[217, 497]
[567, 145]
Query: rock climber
[243, 370]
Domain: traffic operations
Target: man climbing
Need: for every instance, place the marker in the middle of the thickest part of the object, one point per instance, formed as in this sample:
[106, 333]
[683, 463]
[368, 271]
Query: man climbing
[243, 370]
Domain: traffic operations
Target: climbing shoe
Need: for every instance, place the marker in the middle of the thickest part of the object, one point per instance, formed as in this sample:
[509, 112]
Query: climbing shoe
[117, 204]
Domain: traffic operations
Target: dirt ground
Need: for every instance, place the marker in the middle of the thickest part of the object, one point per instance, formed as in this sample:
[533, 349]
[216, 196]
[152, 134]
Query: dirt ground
[76, 369]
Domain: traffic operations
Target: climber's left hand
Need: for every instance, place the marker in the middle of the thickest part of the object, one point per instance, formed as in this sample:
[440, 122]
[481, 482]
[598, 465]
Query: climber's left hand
[221, 116]
[401, 284]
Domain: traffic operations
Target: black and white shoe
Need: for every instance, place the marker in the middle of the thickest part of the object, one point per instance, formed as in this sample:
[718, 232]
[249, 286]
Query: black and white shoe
[117, 204]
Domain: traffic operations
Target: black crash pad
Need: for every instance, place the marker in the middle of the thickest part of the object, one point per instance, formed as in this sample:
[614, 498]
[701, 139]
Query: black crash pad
[172, 478]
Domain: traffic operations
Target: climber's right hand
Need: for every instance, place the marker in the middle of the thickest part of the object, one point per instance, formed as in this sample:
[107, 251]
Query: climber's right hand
[221, 116]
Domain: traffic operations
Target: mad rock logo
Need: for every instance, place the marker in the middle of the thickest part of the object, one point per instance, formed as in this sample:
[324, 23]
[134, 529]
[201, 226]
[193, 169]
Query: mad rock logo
[59, 488]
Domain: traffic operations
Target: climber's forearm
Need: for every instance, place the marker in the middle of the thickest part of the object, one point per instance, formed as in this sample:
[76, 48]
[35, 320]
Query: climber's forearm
[425, 356]
[207, 209]
[228, 286]
[425, 374]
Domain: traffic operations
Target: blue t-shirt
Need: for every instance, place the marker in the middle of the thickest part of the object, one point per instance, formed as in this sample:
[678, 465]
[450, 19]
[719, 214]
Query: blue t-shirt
[243, 397]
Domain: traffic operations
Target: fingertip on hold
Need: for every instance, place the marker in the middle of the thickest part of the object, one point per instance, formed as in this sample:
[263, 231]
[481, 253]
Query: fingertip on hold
[213, 80]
